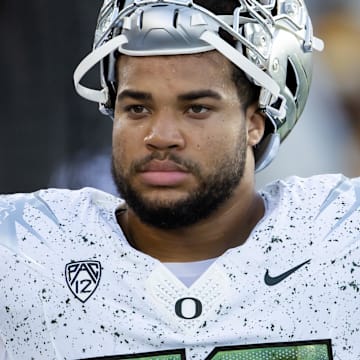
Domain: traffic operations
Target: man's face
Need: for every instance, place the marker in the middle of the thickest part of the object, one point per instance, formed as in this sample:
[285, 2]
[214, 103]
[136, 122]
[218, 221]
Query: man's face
[179, 137]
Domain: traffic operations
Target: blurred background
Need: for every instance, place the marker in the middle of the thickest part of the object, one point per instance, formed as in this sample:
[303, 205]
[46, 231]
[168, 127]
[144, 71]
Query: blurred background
[50, 137]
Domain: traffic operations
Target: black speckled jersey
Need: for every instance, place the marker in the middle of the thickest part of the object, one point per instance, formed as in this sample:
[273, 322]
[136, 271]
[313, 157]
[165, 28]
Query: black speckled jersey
[71, 287]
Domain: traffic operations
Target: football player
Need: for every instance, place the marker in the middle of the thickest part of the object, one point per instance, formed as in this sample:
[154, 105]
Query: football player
[190, 262]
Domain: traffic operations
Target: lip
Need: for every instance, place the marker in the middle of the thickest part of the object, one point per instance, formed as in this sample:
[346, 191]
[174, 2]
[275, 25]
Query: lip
[162, 166]
[163, 173]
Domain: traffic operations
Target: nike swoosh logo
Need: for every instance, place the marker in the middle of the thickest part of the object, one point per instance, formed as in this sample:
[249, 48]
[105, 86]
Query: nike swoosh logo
[271, 281]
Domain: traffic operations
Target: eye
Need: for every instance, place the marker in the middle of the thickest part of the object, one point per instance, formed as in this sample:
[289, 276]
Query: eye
[199, 112]
[137, 109]
[198, 109]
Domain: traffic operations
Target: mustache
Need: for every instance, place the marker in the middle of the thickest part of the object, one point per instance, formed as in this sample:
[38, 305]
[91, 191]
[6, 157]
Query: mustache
[189, 165]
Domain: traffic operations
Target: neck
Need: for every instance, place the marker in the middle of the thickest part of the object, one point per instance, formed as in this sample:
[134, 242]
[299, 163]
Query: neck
[227, 227]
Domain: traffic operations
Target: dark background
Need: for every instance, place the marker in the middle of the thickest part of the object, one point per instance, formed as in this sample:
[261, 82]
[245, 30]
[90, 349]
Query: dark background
[43, 122]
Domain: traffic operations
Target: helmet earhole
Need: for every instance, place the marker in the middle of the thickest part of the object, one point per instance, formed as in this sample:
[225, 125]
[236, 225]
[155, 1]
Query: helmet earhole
[291, 79]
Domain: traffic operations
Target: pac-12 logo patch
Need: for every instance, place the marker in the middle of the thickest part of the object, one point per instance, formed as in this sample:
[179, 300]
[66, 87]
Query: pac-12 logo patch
[83, 278]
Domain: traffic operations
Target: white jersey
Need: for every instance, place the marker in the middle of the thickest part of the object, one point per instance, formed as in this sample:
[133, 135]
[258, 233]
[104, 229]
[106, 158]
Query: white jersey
[71, 287]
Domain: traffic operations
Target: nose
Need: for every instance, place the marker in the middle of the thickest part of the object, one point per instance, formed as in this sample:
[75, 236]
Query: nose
[164, 132]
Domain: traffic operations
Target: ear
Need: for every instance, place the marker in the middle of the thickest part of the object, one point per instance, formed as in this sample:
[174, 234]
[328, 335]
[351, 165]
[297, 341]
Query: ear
[255, 124]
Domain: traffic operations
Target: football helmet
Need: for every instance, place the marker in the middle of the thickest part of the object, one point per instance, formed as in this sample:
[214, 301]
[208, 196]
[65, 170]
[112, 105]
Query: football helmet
[273, 45]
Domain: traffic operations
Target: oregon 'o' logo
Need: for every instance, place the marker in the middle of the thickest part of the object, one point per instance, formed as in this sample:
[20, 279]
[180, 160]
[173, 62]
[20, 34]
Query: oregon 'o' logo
[188, 308]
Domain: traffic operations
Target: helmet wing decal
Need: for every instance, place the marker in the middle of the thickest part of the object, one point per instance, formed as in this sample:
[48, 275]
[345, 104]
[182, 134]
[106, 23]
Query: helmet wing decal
[242, 62]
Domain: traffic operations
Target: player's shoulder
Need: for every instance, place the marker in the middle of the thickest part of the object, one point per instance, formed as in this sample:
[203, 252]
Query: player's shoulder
[42, 213]
[314, 188]
[329, 195]
[321, 214]
[44, 226]
[59, 201]
[328, 203]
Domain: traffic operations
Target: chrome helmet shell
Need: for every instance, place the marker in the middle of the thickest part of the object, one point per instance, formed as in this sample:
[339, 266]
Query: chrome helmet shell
[273, 45]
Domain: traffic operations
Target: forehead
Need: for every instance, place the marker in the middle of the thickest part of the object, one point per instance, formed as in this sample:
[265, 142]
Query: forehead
[210, 69]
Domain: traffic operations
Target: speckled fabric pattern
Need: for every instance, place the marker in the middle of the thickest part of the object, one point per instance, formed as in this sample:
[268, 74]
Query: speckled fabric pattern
[71, 287]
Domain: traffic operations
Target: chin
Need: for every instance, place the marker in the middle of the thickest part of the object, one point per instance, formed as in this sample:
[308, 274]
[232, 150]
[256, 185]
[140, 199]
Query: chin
[164, 198]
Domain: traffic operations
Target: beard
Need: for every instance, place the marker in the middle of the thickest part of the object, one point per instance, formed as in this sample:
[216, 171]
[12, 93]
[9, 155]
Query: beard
[212, 191]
